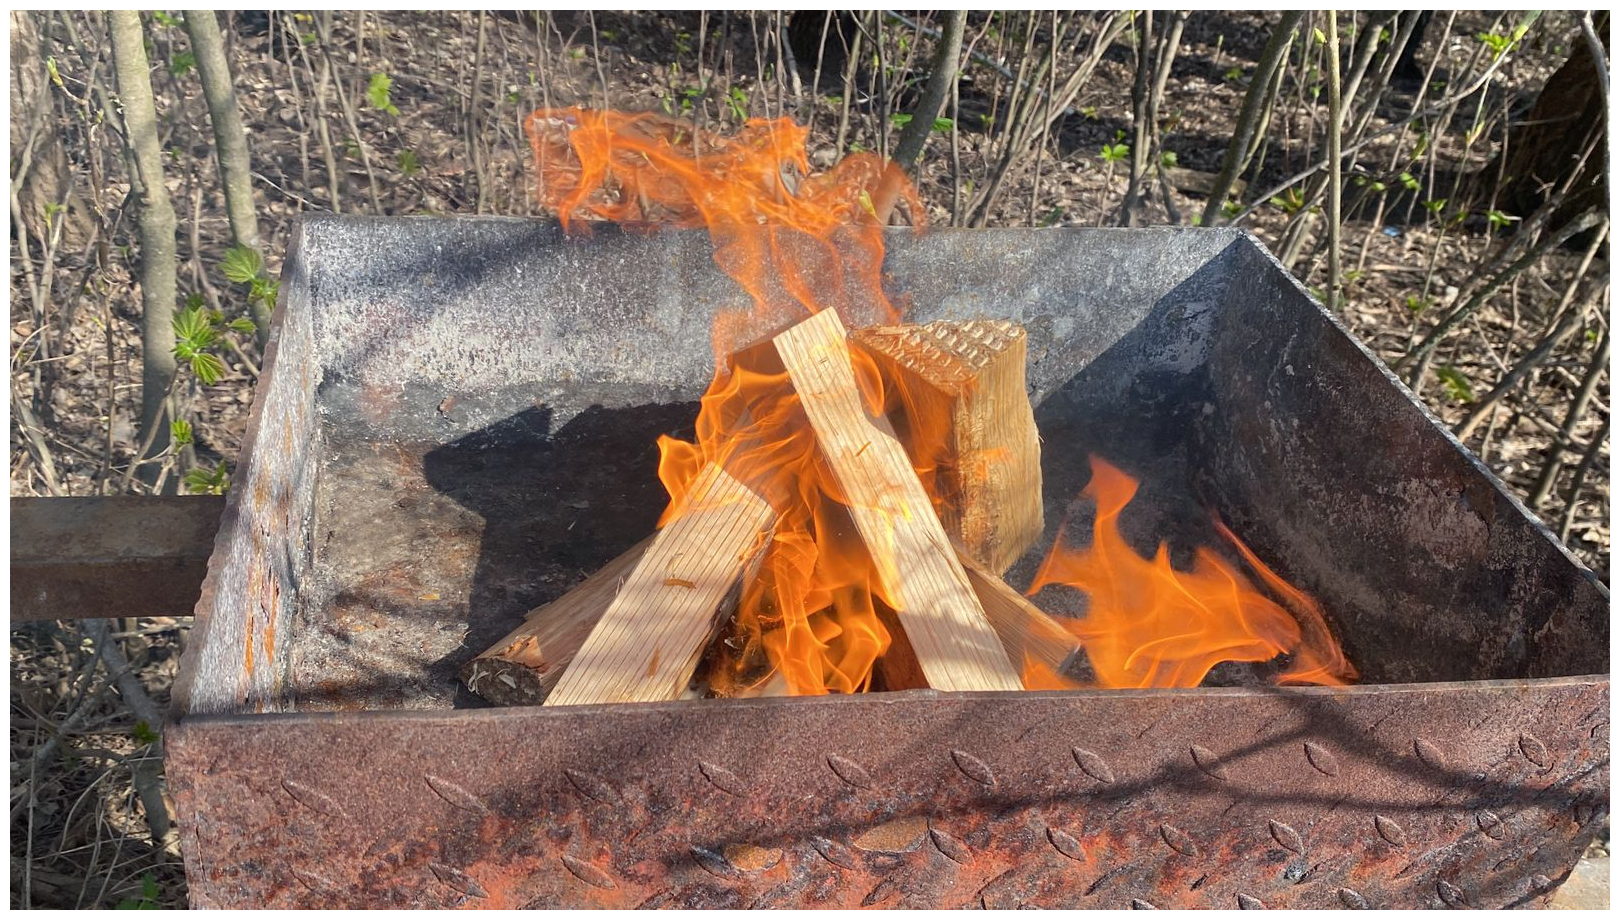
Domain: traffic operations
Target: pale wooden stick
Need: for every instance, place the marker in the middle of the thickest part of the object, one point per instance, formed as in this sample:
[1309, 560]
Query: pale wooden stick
[921, 578]
[647, 643]
[522, 668]
[966, 410]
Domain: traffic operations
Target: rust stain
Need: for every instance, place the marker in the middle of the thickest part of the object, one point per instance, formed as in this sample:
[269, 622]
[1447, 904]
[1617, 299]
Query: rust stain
[898, 836]
[247, 661]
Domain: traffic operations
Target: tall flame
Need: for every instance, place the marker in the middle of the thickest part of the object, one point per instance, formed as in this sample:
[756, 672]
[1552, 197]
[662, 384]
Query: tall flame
[1149, 625]
[797, 243]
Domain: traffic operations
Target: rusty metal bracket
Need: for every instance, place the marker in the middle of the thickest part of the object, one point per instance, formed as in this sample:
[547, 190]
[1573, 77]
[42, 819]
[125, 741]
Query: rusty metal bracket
[110, 556]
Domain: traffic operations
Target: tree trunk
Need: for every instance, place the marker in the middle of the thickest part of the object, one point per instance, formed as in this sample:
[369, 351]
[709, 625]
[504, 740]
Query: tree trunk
[155, 221]
[914, 136]
[230, 140]
[40, 173]
[1544, 147]
[1254, 103]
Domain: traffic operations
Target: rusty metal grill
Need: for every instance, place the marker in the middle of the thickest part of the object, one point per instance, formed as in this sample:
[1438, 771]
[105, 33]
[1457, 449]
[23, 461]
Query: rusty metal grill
[456, 425]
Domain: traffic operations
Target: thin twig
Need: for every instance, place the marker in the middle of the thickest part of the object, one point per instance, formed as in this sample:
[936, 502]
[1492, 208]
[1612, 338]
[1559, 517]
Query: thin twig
[1335, 217]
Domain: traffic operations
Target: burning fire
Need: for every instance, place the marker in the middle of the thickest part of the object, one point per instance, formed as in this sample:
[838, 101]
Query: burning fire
[1148, 625]
[798, 243]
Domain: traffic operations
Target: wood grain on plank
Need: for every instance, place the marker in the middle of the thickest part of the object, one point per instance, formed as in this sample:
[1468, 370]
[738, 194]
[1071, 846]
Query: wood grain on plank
[647, 643]
[916, 564]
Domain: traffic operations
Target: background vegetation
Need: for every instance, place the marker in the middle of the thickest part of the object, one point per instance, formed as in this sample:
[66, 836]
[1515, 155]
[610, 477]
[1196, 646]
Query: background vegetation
[1438, 179]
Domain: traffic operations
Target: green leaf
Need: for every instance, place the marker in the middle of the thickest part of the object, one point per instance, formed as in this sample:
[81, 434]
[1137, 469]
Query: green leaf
[1113, 153]
[180, 432]
[409, 165]
[900, 120]
[241, 264]
[1410, 182]
[50, 68]
[165, 20]
[207, 367]
[243, 325]
[378, 93]
[149, 886]
[1457, 387]
[193, 329]
[1290, 201]
[943, 124]
[1417, 304]
[866, 204]
[1320, 37]
[204, 481]
[182, 63]
[1167, 159]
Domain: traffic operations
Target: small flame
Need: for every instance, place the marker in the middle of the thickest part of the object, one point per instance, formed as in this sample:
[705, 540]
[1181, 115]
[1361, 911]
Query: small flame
[1149, 625]
[797, 243]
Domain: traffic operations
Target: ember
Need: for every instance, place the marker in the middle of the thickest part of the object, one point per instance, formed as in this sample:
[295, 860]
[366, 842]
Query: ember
[830, 530]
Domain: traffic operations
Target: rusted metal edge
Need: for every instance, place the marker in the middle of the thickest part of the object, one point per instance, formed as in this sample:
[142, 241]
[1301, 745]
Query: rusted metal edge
[1476, 794]
[230, 519]
[110, 556]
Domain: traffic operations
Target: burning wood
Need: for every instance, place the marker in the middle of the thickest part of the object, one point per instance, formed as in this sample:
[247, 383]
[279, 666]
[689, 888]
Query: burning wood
[917, 571]
[859, 574]
[521, 668]
[959, 405]
[1029, 636]
[615, 626]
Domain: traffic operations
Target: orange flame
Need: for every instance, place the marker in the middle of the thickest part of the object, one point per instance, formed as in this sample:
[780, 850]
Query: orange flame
[797, 243]
[1148, 625]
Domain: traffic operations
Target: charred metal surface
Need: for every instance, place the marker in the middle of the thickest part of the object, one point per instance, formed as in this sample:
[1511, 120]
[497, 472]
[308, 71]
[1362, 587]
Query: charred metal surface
[1325, 463]
[423, 559]
[236, 657]
[1457, 795]
[110, 556]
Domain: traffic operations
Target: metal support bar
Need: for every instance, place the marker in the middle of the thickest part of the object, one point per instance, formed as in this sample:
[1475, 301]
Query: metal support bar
[110, 556]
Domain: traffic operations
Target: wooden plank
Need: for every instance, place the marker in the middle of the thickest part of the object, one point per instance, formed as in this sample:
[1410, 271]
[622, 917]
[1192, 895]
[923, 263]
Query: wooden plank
[1027, 632]
[648, 642]
[534, 655]
[110, 556]
[521, 669]
[918, 570]
[964, 411]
